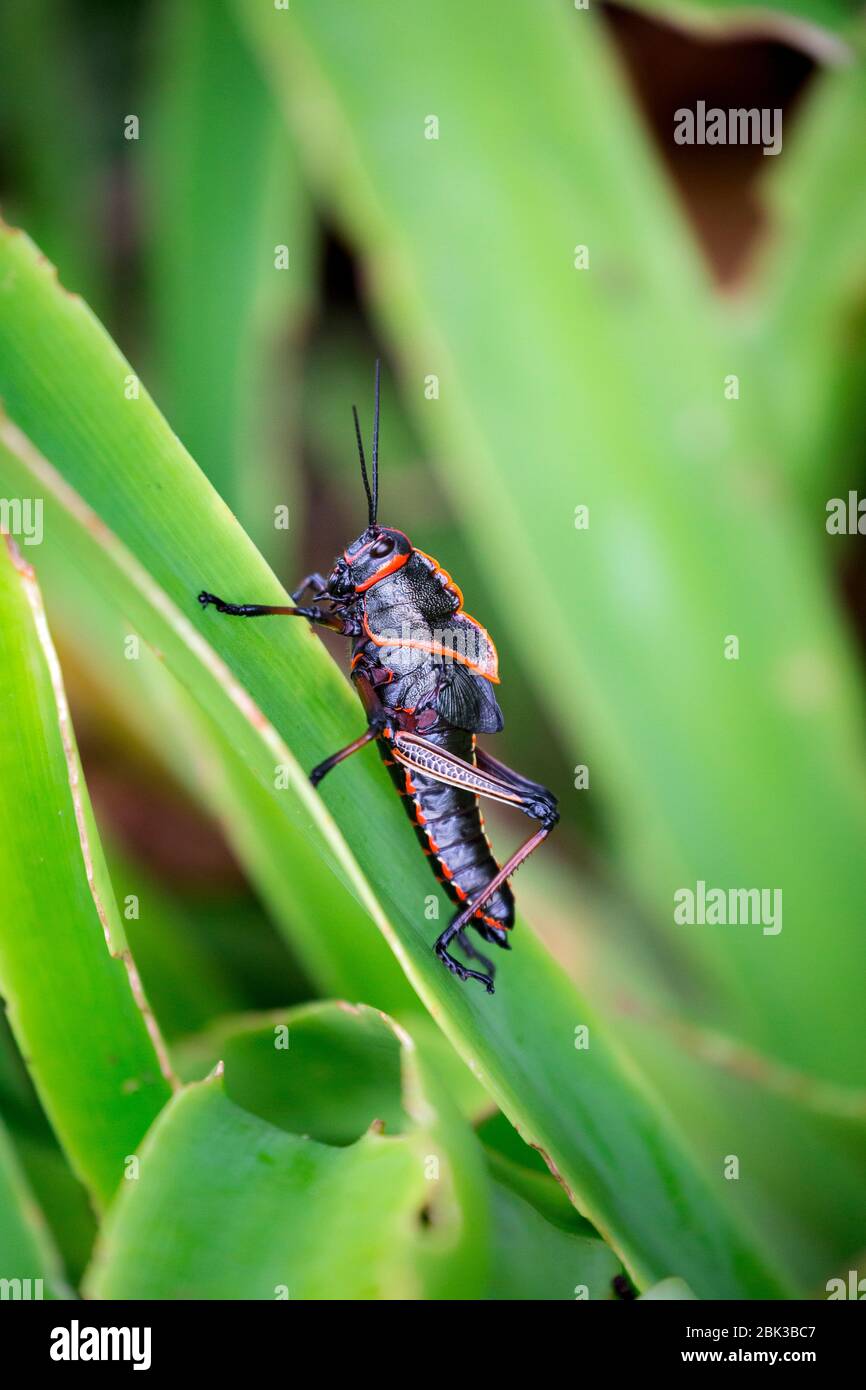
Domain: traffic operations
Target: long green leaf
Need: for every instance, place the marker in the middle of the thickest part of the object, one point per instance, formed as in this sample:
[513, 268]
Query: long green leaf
[65, 971]
[229, 1207]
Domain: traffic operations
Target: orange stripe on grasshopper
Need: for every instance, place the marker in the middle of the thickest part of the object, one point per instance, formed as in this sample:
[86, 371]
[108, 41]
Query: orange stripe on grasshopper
[390, 567]
[421, 644]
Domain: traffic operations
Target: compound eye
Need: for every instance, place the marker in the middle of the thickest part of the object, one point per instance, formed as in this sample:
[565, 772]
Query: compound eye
[382, 548]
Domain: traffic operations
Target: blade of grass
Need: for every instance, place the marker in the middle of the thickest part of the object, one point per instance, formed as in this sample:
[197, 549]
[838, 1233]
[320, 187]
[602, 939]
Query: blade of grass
[65, 971]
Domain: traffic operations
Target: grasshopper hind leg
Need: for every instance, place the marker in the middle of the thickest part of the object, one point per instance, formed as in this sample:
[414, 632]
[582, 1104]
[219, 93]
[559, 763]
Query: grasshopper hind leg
[462, 971]
[474, 954]
[484, 777]
[494, 934]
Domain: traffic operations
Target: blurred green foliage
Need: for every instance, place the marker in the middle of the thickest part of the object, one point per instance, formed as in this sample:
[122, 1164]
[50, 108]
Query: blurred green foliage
[280, 216]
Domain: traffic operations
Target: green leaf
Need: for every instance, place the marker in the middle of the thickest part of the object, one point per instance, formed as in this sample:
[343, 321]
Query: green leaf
[334, 1071]
[342, 1076]
[228, 1205]
[160, 536]
[70, 986]
[343, 1073]
[26, 1249]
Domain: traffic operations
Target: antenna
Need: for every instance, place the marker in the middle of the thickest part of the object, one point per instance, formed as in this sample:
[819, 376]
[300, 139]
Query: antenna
[372, 494]
[376, 447]
[371, 513]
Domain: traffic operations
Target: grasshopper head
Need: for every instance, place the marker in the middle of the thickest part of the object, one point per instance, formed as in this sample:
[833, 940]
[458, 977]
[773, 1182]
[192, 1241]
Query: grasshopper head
[376, 553]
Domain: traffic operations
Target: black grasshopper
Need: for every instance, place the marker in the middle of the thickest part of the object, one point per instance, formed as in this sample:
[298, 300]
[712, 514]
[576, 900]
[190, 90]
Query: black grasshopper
[425, 672]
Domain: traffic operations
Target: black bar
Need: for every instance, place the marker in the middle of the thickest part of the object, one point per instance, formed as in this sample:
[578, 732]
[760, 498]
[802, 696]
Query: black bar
[203, 1337]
